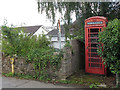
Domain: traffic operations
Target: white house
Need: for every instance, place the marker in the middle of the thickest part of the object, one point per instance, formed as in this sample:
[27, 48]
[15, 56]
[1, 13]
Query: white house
[53, 34]
[34, 30]
[55, 38]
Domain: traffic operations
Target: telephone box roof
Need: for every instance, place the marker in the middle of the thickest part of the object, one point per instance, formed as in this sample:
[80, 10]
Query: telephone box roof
[96, 17]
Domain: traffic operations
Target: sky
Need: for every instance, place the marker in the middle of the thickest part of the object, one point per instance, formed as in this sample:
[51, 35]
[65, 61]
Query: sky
[23, 13]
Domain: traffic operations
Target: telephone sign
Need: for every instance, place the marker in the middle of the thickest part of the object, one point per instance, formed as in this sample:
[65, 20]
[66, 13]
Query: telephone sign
[100, 22]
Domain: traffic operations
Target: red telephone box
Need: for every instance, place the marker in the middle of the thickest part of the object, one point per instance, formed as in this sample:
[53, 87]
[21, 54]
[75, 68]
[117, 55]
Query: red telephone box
[93, 62]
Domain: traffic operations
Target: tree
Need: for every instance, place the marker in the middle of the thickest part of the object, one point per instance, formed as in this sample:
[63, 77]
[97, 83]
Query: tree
[83, 10]
[110, 52]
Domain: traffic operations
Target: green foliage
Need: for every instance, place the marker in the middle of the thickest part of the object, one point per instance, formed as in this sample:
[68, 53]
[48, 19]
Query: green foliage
[19, 75]
[10, 74]
[44, 59]
[23, 76]
[83, 10]
[93, 86]
[33, 49]
[76, 30]
[67, 44]
[78, 33]
[68, 7]
[69, 82]
[110, 52]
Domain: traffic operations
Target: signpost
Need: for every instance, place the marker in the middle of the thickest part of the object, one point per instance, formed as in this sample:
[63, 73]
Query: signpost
[59, 32]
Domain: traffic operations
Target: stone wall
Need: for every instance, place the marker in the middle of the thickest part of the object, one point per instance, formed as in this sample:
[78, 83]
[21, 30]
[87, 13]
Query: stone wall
[73, 60]
[20, 66]
[78, 58]
[66, 64]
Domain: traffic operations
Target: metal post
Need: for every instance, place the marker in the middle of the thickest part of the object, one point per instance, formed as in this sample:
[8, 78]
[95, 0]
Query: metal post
[12, 62]
[59, 34]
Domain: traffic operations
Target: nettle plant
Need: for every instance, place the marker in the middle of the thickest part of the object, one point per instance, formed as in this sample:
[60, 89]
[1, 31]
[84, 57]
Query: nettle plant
[110, 52]
[33, 49]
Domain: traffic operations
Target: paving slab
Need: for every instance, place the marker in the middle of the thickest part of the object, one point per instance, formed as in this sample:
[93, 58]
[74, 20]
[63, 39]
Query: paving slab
[8, 82]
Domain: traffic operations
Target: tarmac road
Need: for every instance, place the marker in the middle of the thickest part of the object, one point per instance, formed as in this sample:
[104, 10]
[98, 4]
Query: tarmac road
[9, 82]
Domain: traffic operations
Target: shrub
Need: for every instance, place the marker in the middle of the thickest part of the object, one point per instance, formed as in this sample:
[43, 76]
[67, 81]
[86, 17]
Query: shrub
[33, 49]
[110, 52]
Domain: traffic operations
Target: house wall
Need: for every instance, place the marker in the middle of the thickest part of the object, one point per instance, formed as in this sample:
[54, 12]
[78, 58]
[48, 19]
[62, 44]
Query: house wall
[55, 38]
[40, 31]
[55, 42]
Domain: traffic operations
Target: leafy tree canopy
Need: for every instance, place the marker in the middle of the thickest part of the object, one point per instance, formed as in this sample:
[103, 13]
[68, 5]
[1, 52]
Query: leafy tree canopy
[83, 10]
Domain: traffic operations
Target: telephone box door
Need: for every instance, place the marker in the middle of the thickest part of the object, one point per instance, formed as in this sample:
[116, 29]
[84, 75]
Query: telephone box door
[94, 62]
